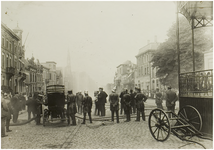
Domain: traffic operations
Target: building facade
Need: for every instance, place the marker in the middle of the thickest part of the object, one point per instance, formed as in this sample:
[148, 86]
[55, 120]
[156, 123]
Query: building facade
[145, 76]
[13, 73]
[51, 65]
[125, 76]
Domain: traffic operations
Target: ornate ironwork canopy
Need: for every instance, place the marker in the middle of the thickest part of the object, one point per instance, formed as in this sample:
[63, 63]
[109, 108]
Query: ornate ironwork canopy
[201, 12]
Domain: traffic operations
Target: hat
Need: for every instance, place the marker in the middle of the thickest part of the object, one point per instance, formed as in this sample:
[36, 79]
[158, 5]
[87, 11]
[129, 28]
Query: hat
[100, 88]
[5, 94]
[113, 90]
[86, 92]
[70, 92]
[169, 87]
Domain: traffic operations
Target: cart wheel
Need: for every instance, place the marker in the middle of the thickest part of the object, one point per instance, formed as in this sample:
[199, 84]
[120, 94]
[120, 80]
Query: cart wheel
[191, 115]
[159, 125]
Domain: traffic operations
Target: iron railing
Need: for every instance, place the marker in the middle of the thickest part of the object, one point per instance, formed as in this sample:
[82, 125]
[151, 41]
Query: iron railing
[196, 84]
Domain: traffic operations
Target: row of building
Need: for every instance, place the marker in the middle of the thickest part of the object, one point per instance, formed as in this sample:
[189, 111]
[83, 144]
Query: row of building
[24, 75]
[142, 74]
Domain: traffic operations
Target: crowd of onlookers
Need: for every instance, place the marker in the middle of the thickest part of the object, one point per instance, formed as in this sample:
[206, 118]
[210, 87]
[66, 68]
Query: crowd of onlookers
[12, 105]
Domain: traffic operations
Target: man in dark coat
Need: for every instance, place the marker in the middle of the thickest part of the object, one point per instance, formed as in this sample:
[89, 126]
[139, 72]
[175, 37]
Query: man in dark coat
[101, 101]
[87, 105]
[171, 98]
[10, 112]
[71, 107]
[17, 105]
[79, 102]
[159, 99]
[140, 99]
[38, 104]
[4, 114]
[127, 106]
[122, 100]
[31, 107]
[133, 101]
[114, 105]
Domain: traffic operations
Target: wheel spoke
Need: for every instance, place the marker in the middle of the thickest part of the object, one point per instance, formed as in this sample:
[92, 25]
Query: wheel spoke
[155, 115]
[183, 116]
[185, 113]
[193, 118]
[163, 117]
[155, 130]
[158, 133]
[154, 121]
[195, 122]
[161, 133]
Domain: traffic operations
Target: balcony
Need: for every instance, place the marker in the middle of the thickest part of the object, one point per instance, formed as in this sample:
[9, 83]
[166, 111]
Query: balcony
[10, 71]
[196, 84]
[22, 76]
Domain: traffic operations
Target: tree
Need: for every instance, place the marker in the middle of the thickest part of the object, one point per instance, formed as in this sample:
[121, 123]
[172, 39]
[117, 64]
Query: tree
[165, 58]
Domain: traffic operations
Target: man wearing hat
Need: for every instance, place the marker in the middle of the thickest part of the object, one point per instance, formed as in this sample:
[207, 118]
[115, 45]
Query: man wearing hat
[127, 105]
[140, 99]
[114, 104]
[71, 107]
[159, 99]
[87, 105]
[101, 101]
[125, 91]
[171, 98]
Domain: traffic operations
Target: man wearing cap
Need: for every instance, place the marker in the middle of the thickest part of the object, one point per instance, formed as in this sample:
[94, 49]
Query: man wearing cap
[79, 102]
[71, 107]
[133, 101]
[159, 99]
[127, 105]
[87, 105]
[114, 104]
[101, 101]
[171, 98]
[140, 99]
[4, 114]
[122, 100]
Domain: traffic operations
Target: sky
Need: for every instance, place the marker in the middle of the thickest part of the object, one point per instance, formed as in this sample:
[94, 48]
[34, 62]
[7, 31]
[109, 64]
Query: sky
[99, 35]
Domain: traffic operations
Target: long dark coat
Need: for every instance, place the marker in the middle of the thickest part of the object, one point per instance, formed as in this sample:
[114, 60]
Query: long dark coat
[170, 97]
[87, 104]
[127, 101]
[102, 98]
[114, 101]
[140, 99]
[71, 105]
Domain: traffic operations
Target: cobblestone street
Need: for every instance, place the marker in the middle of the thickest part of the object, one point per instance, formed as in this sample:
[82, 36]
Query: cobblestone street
[98, 135]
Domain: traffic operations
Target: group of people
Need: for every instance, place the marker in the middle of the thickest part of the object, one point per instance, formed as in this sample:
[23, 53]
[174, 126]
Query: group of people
[10, 108]
[72, 104]
[129, 101]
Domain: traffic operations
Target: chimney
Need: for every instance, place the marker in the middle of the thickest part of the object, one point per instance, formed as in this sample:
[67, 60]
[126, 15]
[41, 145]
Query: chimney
[155, 39]
[148, 41]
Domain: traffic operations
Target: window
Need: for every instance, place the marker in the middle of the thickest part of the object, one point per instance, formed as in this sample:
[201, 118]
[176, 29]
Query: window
[10, 62]
[10, 47]
[50, 76]
[2, 41]
[145, 71]
[3, 80]
[7, 44]
[7, 61]
[2, 60]
[15, 49]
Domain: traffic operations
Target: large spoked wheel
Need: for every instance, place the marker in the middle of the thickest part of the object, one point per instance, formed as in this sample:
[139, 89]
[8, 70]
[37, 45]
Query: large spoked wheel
[159, 125]
[191, 115]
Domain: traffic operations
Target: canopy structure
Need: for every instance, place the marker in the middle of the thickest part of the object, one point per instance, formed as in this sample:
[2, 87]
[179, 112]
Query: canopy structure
[200, 13]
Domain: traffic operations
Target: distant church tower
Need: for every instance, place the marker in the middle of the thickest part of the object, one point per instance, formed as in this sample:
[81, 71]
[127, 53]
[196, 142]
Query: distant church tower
[68, 74]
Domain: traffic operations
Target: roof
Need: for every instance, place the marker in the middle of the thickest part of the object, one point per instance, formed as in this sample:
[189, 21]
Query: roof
[150, 46]
[10, 31]
[125, 63]
[50, 62]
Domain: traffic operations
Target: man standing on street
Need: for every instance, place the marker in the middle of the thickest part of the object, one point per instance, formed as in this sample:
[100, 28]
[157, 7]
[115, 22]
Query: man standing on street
[140, 99]
[79, 102]
[15, 103]
[114, 104]
[133, 101]
[159, 99]
[87, 105]
[127, 105]
[4, 114]
[102, 100]
[122, 100]
[171, 98]
[71, 107]
[10, 111]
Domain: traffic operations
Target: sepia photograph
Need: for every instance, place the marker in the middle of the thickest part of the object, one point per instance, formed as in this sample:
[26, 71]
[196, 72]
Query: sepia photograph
[106, 74]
